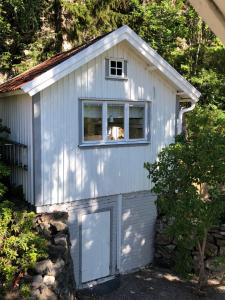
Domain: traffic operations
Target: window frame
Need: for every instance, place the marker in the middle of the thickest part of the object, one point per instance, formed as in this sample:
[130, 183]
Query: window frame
[107, 125]
[116, 75]
[108, 68]
[95, 103]
[126, 140]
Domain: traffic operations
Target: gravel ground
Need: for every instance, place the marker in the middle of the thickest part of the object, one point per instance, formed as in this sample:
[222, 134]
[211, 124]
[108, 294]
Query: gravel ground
[158, 284]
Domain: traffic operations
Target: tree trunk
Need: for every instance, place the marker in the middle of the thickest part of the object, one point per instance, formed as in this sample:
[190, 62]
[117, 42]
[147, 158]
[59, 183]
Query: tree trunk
[202, 280]
[58, 25]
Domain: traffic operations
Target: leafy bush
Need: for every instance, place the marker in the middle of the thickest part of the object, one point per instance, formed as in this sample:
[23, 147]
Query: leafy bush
[20, 245]
[189, 179]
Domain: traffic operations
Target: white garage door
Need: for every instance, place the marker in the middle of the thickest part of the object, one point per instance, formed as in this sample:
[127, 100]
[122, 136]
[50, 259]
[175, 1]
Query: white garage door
[95, 246]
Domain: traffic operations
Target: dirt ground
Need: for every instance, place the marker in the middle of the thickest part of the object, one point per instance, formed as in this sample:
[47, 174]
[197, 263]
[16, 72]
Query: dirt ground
[158, 284]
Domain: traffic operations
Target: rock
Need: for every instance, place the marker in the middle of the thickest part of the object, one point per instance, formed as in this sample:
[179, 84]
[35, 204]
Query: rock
[57, 251]
[162, 239]
[60, 215]
[43, 267]
[220, 242]
[157, 255]
[170, 248]
[37, 281]
[45, 232]
[27, 278]
[210, 239]
[44, 218]
[218, 235]
[222, 227]
[52, 278]
[214, 228]
[161, 250]
[47, 294]
[44, 225]
[60, 239]
[222, 251]
[59, 226]
[213, 265]
[49, 280]
[35, 294]
[57, 267]
[211, 249]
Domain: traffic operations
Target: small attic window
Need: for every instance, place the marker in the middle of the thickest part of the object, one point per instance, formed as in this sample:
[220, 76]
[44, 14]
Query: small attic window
[116, 68]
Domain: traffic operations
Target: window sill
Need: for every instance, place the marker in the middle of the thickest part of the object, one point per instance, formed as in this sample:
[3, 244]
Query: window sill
[114, 144]
[115, 78]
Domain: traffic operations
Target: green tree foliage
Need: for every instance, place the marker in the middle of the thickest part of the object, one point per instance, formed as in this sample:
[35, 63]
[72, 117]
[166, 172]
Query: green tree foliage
[20, 244]
[189, 179]
[177, 33]
[19, 21]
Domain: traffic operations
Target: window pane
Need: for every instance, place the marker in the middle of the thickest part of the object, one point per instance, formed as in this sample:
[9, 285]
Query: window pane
[136, 122]
[113, 71]
[115, 116]
[113, 63]
[119, 64]
[92, 122]
[119, 72]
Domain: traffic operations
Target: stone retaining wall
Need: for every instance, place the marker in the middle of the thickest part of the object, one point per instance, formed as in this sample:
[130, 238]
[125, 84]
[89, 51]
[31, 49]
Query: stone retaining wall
[52, 278]
[165, 248]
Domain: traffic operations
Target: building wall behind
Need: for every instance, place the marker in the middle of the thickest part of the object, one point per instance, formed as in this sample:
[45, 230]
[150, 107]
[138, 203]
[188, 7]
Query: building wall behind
[16, 113]
[132, 230]
[138, 230]
[70, 173]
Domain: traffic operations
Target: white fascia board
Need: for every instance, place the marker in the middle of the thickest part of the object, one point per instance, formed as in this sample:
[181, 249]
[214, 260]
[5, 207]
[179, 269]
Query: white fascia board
[121, 34]
[74, 62]
[162, 65]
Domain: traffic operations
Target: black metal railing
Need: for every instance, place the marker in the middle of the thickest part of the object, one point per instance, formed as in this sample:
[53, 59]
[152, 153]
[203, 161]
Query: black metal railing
[14, 154]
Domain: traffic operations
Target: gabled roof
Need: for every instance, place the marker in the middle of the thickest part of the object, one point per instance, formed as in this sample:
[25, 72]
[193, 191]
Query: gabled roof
[18, 81]
[52, 70]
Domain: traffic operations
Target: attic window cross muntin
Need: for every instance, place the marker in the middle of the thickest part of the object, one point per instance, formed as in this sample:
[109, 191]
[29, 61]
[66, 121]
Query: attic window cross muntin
[116, 68]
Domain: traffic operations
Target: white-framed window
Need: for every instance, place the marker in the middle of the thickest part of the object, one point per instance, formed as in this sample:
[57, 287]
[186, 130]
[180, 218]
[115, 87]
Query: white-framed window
[115, 68]
[92, 121]
[108, 122]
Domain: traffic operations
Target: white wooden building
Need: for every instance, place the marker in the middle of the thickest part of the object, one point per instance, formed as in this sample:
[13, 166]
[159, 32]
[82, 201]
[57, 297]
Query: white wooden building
[83, 123]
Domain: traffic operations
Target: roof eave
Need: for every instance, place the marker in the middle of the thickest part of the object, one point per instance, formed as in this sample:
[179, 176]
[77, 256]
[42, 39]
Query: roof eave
[124, 33]
[12, 93]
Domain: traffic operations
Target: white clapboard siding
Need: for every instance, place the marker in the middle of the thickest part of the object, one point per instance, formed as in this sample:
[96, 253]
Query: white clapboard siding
[16, 113]
[70, 173]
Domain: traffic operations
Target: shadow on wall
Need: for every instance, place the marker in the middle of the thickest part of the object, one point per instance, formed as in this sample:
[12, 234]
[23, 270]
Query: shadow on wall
[138, 223]
[70, 173]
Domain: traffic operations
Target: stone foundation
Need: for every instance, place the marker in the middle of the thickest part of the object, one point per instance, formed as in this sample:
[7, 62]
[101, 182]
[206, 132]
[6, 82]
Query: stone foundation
[52, 278]
[165, 249]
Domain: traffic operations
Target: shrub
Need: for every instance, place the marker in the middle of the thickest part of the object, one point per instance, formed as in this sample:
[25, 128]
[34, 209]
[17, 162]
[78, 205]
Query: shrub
[20, 245]
[189, 179]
